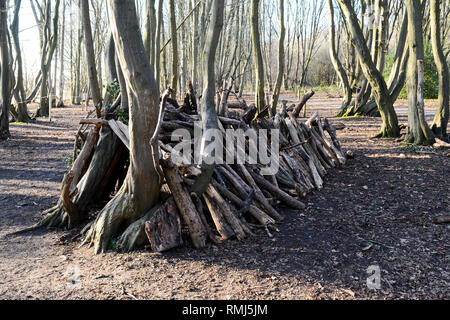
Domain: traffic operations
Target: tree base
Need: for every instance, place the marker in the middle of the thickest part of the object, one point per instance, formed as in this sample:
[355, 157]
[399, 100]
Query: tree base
[109, 223]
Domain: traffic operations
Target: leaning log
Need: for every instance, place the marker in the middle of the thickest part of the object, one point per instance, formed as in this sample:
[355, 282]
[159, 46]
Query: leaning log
[278, 193]
[301, 104]
[191, 217]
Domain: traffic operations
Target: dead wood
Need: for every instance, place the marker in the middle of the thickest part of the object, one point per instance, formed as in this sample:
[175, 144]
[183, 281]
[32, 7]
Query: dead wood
[184, 202]
[278, 193]
[164, 228]
[298, 108]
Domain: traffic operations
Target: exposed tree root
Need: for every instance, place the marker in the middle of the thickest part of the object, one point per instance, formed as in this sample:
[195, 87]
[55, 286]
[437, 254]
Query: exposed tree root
[134, 236]
[109, 222]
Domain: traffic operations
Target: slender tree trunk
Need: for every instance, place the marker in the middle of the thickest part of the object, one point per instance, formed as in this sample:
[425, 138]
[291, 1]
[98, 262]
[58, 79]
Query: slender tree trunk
[174, 40]
[441, 118]
[49, 46]
[5, 76]
[110, 60]
[195, 45]
[257, 56]
[281, 61]
[90, 56]
[19, 90]
[337, 62]
[77, 85]
[124, 100]
[150, 30]
[61, 67]
[157, 66]
[208, 113]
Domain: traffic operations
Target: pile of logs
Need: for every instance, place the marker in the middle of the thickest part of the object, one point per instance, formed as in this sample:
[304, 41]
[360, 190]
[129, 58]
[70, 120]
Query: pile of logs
[239, 199]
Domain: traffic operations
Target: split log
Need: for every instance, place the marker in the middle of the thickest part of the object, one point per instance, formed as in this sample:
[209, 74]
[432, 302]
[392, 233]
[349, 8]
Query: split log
[99, 172]
[312, 168]
[164, 228]
[298, 175]
[199, 205]
[121, 130]
[314, 141]
[325, 153]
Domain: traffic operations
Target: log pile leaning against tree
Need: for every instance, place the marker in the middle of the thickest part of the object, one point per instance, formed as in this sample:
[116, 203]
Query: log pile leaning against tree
[238, 200]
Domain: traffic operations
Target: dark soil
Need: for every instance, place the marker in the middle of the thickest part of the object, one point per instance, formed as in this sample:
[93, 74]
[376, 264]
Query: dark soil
[378, 210]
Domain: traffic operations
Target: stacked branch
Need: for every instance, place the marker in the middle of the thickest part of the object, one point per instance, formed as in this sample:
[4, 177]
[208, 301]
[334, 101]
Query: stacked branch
[238, 199]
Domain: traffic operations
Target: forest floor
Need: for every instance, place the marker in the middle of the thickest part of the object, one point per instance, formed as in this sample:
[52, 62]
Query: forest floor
[378, 210]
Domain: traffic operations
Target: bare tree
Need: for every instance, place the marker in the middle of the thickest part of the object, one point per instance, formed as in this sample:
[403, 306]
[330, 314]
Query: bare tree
[140, 189]
[19, 90]
[90, 55]
[208, 113]
[49, 34]
[257, 56]
[441, 118]
[281, 62]
[337, 62]
[418, 129]
[5, 73]
[61, 67]
[174, 40]
[384, 102]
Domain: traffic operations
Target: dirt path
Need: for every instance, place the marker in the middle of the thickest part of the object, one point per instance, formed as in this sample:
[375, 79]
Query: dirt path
[377, 211]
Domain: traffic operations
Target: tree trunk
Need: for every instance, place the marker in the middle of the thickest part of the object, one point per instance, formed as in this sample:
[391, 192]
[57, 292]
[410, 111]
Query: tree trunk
[257, 56]
[76, 99]
[337, 62]
[159, 30]
[418, 130]
[49, 45]
[5, 76]
[173, 35]
[441, 118]
[390, 126]
[61, 71]
[208, 113]
[140, 189]
[281, 62]
[90, 56]
[19, 90]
